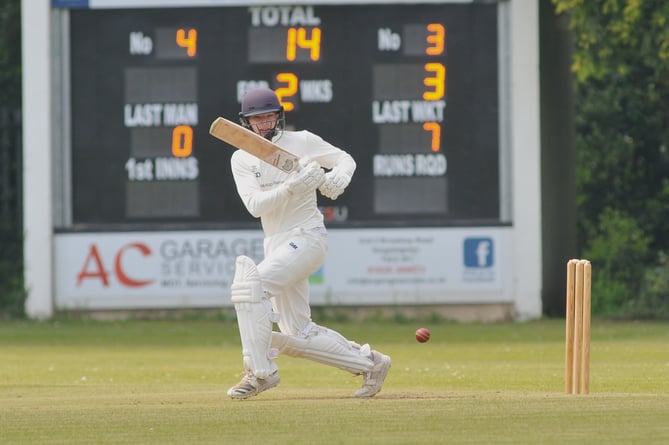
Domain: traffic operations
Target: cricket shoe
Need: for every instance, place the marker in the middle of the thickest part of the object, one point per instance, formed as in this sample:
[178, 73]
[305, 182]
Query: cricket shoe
[373, 380]
[251, 386]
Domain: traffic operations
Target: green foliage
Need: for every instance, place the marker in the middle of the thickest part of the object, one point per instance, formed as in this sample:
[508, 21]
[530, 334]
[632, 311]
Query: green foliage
[653, 300]
[614, 37]
[621, 66]
[12, 294]
[618, 252]
[10, 53]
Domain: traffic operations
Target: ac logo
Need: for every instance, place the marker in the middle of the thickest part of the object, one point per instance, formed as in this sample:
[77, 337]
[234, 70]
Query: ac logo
[94, 268]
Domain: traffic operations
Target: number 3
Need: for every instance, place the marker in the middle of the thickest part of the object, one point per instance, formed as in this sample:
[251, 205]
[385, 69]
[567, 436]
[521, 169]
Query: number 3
[438, 81]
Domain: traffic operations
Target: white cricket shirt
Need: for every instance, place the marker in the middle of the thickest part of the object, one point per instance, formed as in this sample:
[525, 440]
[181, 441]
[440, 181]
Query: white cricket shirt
[261, 188]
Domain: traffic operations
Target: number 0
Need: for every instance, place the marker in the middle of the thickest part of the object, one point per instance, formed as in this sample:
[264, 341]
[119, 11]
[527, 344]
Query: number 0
[182, 141]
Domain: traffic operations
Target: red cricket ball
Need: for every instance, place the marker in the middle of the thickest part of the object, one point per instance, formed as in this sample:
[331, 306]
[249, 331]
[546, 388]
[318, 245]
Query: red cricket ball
[422, 335]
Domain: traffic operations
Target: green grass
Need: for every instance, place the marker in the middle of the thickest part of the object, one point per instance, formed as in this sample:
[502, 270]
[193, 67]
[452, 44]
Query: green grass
[137, 382]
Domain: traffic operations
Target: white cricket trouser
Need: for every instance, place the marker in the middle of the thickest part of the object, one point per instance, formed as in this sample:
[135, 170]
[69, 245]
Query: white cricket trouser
[290, 258]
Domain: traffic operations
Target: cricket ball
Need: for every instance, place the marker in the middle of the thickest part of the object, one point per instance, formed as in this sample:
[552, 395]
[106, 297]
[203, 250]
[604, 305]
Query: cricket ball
[422, 335]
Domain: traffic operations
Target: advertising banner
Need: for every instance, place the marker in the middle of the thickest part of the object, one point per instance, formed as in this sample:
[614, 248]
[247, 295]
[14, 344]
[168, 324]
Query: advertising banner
[364, 267]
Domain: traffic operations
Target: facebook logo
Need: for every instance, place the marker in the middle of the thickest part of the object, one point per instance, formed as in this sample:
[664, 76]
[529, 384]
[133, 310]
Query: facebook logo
[478, 252]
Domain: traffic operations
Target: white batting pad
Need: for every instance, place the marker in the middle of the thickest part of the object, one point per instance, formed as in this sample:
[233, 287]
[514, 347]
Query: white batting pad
[325, 346]
[254, 317]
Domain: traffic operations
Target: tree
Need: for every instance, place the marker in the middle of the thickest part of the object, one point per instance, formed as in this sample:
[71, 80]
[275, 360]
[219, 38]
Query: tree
[621, 66]
[12, 295]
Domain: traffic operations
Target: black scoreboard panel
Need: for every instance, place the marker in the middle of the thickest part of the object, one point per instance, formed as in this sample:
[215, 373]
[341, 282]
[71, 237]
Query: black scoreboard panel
[411, 91]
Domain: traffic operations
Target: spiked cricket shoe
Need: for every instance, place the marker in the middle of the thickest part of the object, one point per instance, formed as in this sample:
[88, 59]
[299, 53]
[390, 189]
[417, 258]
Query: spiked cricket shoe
[251, 386]
[373, 380]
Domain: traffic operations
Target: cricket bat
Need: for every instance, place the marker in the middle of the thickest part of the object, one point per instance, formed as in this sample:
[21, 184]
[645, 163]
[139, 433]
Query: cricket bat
[244, 139]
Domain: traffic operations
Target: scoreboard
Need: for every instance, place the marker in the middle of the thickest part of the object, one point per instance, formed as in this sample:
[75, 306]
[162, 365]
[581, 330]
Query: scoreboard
[411, 91]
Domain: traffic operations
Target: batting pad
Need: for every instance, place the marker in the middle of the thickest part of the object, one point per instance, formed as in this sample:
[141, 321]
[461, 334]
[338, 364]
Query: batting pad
[325, 346]
[254, 318]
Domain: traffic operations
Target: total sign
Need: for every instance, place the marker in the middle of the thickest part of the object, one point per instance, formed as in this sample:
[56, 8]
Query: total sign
[149, 270]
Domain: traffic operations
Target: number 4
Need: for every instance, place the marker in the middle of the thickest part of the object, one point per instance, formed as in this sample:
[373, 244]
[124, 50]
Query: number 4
[188, 41]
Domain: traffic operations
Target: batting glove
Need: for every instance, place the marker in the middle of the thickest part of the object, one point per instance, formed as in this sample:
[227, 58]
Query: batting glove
[334, 184]
[307, 179]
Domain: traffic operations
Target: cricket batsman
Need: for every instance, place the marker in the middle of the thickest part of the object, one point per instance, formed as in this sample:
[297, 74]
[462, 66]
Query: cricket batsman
[277, 289]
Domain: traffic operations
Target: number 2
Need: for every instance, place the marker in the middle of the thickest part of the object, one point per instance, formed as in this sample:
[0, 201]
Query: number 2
[291, 81]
